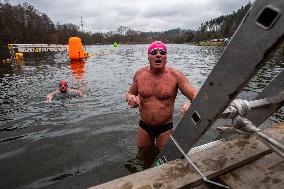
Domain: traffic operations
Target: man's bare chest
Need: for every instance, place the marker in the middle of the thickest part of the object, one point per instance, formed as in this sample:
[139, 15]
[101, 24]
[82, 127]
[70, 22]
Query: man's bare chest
[158, 88]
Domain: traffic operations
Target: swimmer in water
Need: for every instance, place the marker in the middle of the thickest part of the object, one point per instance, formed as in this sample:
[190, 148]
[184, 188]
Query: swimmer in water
[63, 89]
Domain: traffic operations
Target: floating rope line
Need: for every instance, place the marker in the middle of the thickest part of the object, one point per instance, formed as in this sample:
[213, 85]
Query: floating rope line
[106, 52]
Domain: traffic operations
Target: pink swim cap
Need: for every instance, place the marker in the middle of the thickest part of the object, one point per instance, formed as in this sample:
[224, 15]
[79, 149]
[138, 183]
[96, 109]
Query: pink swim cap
[157, 45]
[63, 82]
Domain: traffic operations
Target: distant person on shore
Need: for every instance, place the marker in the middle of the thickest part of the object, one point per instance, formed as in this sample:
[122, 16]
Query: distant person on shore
[153, 91]
[63, 91]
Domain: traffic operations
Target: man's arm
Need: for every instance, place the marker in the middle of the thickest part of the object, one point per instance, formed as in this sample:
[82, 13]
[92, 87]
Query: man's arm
[80, 93]
[50, 96]
[186, 89]
[131, 96]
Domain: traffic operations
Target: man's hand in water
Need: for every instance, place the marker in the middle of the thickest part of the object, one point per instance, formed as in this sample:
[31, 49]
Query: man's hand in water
[48, 101]
[50, 96]
[185, 107]
[133, 101]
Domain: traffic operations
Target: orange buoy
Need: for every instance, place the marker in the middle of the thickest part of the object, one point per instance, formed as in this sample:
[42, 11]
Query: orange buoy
[86, 54]
[19, 56]
[76, 51]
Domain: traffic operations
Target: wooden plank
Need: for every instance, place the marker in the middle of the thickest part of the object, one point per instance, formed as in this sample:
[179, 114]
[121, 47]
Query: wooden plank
[212, 162]
[267, 172]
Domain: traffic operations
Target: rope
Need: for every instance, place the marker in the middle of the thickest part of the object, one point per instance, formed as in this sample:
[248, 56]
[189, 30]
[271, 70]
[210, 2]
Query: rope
[244, 125]
[242, 107]
[195, 167]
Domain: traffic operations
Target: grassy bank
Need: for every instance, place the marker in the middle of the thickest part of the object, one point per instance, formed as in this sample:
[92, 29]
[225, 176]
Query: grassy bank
[207, 43]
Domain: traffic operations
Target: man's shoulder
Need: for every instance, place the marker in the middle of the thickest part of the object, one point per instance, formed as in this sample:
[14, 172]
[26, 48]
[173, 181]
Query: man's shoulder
[171, 69]
[174, 71]
[142, 70]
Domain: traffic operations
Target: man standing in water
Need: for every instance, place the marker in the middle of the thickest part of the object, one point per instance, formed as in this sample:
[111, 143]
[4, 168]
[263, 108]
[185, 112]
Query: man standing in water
[154, 90]
[63, 90]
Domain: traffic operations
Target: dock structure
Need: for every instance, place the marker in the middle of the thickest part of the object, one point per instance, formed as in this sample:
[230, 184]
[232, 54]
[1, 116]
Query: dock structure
[242, 162]
[14, 48]
[38, 47]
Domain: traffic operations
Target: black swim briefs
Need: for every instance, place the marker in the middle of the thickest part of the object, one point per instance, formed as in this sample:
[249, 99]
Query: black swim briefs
[154, 132]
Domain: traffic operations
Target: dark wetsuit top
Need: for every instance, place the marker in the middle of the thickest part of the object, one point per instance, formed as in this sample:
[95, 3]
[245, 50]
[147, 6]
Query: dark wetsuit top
[154, 132]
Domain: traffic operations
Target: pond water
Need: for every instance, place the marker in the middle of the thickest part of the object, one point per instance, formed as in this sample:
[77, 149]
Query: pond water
[81, 142]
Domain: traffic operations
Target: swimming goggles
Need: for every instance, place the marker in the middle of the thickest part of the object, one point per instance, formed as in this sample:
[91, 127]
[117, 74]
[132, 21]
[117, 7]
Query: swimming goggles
[155, 51]
[63, 85]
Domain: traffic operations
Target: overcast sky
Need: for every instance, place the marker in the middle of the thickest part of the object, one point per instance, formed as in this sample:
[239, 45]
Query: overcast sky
[143, 15]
